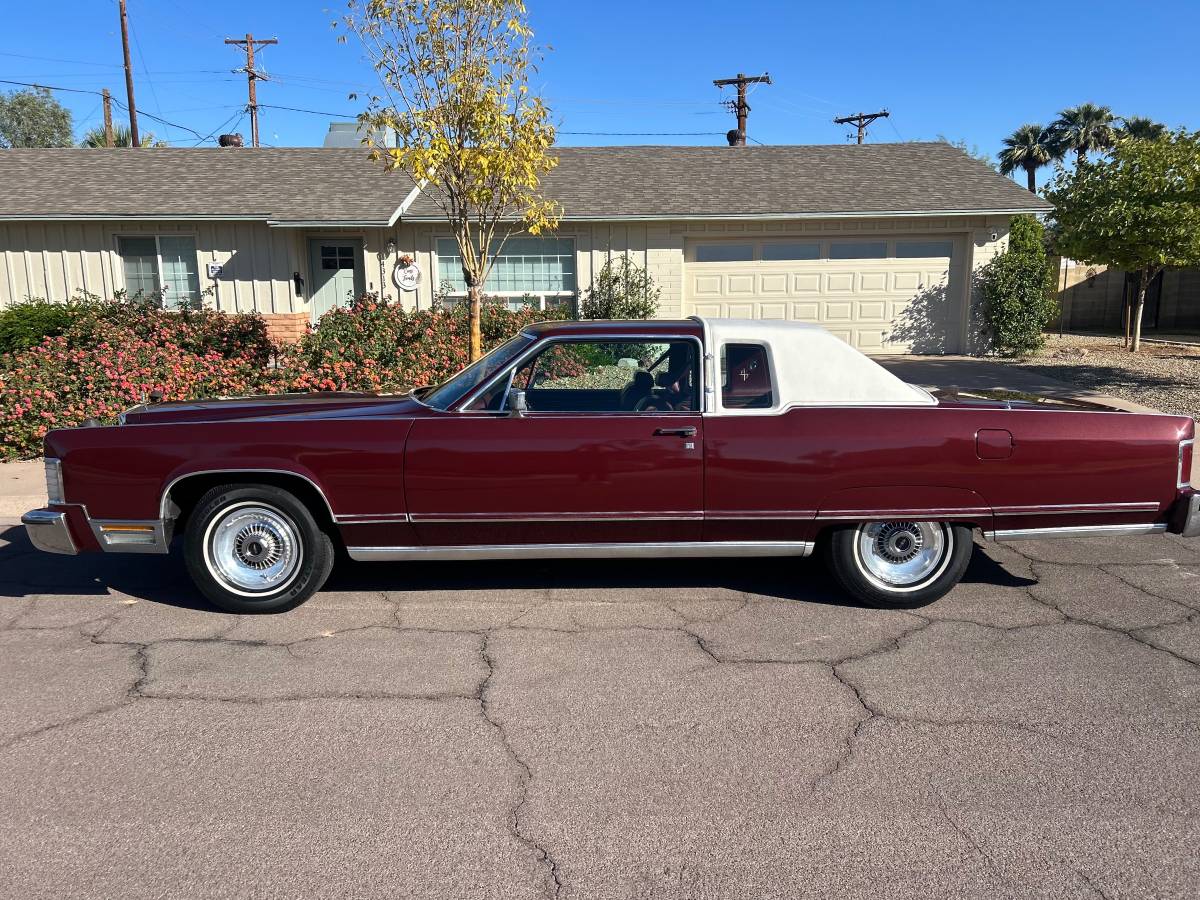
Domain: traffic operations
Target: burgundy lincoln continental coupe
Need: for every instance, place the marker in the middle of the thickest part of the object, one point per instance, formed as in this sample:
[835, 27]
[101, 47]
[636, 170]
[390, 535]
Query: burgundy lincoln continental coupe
[602, 439]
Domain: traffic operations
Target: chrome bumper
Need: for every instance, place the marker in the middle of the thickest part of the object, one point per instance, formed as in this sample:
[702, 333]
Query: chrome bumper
[48, 531]
[1186, 520]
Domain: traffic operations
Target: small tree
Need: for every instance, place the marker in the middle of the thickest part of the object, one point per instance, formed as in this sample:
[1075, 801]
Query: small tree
[34, 119]
[455, 76]
[1016, 288]
[1138, 210]
[122, 137]
[623, 290]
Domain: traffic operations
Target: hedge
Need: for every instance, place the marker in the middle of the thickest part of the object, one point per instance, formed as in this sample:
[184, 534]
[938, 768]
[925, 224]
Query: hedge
[108, 357]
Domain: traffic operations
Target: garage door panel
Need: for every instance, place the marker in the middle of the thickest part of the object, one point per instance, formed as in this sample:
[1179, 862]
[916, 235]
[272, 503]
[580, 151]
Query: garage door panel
[739, 284]
[839, 282]
[873, 281]
[806, 284]
[839, 312]
[879, 305]
[775, 283]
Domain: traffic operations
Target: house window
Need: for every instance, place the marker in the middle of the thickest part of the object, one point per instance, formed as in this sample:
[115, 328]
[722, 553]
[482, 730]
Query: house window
[529, 271]
[163, 263]
[791, 250]
[858, 250]
[724, 252]
[923, 249]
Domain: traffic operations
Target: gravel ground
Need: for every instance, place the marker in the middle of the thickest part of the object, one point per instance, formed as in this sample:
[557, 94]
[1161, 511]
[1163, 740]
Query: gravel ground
[1161, 376]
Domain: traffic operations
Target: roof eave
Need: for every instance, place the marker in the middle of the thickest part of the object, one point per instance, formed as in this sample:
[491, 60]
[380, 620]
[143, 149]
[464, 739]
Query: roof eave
[870, 214]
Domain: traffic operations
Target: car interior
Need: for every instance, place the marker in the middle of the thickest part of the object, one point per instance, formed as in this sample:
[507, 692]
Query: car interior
[603, 377]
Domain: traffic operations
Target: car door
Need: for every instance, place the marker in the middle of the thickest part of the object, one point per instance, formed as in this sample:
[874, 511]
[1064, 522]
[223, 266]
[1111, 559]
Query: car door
[609, 451]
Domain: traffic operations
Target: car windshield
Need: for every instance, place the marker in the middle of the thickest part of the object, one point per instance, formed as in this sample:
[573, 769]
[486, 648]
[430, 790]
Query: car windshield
[475, 374]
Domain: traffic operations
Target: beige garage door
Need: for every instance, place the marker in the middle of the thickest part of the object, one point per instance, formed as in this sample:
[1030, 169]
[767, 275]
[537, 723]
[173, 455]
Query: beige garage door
[881, 295]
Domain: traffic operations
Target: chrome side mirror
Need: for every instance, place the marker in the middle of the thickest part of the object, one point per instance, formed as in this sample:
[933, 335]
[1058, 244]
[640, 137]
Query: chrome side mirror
[517, 405]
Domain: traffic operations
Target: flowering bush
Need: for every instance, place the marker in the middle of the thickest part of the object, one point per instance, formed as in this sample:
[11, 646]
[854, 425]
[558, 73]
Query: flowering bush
[59, 384]
[373, 346]
[114, 355]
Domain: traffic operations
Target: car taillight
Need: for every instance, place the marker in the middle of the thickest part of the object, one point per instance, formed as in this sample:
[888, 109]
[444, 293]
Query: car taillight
[1187, 451]
[54, 482]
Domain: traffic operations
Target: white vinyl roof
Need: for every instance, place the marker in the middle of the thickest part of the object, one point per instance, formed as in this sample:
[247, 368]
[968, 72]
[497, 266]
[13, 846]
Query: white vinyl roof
[809, 367]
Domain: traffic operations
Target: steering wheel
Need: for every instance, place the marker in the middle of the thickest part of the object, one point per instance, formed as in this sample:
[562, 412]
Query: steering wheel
[652, 402]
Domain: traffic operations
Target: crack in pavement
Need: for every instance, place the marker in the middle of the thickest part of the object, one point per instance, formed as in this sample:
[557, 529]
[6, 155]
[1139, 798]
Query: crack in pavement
[542, 853]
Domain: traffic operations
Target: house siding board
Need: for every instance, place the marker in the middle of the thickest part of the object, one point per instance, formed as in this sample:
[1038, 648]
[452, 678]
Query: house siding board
[57, 260]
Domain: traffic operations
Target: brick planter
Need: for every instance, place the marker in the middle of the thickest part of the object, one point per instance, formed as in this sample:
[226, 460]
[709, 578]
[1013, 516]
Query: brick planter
[286, 328]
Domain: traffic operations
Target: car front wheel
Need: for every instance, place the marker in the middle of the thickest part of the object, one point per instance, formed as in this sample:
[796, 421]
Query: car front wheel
[899, 564]
[255, 548]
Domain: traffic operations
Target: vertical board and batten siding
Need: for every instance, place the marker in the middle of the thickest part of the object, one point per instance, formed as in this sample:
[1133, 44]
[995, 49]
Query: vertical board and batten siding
[56, 260]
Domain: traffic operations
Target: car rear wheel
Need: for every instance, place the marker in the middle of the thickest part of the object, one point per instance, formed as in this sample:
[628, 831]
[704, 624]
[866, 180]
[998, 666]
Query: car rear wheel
[900, 563]
[254, 548]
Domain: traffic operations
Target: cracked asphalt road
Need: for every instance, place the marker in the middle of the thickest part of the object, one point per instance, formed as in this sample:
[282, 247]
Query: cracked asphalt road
[686, 729]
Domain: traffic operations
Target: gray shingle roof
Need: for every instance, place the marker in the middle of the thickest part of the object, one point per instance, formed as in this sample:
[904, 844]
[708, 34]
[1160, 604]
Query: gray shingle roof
[341, 186]
[719, 182]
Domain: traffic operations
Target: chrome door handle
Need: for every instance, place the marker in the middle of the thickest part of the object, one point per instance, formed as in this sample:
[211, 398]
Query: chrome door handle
[689, 431]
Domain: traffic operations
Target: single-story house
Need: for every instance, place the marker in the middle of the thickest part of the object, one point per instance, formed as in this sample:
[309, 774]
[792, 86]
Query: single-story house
[876, 242]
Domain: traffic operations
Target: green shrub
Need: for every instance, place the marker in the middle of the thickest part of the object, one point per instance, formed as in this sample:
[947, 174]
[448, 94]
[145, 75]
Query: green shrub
[621, 290]
[26, 324]
[1017, 288]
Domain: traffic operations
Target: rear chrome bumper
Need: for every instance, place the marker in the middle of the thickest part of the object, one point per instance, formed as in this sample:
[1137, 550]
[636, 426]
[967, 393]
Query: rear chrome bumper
[48, 531]
[1186, 520]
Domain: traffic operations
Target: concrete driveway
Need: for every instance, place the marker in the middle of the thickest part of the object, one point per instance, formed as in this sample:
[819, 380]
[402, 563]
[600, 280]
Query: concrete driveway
[687, 729]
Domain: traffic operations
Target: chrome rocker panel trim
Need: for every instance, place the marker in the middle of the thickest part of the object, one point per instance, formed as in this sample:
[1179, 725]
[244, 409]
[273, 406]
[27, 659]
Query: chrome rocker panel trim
[48, 531]
[585, 551]
[1080, 531]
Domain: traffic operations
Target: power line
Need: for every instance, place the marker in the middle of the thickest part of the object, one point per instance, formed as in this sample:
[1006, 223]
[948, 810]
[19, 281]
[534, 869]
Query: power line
[740, 108]
[647, 133]
[252, 75]
[861, 121]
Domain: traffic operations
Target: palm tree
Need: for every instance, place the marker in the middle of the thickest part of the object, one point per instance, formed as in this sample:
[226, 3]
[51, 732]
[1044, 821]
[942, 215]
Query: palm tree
[94, 137]
[1141, 128]
[1029, 147]
[1084, 128]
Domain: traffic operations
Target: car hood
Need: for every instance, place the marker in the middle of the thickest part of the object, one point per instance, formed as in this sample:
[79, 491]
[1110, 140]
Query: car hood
[311, 405]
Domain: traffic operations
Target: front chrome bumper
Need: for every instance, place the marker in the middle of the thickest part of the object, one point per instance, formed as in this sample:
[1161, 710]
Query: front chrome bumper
[48, 530]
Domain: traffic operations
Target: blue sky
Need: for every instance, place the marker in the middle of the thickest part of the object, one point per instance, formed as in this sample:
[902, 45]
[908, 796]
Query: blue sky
[971, 72]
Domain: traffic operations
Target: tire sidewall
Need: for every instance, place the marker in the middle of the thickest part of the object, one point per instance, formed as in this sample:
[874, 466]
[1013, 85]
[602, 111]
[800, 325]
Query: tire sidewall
[315, 547]
[849, 569]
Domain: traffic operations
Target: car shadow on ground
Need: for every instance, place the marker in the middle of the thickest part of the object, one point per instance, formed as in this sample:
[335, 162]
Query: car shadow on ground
[26, 571]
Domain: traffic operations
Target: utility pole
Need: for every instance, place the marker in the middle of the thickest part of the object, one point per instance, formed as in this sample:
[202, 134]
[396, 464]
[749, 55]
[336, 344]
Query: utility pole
[861, 121]
[251, 76]
[134, 140]
[109, 138]
[740, 107]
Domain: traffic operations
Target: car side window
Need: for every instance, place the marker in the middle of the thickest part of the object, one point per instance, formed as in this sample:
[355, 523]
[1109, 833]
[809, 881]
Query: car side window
[605, 377]
[746, 377]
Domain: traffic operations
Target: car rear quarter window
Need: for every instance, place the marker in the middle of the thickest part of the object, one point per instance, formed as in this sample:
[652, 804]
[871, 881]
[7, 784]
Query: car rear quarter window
[746, 377]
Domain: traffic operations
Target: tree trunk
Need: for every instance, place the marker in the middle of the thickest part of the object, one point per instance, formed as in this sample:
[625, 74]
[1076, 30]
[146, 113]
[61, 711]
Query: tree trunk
[1143, 285]
[1126, 314]
[1032, 173]
[475, 299]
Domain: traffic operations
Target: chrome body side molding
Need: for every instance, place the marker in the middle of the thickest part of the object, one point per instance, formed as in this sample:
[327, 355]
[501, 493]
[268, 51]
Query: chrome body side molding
[1079, 531]
[585, 551]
